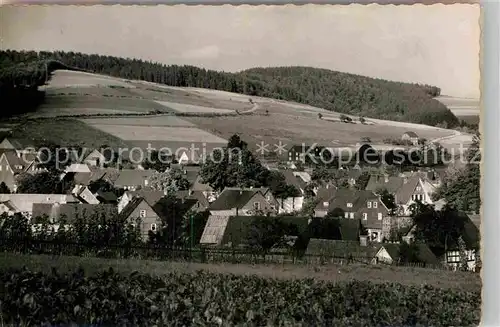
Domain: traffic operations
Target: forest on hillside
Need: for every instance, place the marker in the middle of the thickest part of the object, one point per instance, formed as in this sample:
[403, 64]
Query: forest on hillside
[336, 91]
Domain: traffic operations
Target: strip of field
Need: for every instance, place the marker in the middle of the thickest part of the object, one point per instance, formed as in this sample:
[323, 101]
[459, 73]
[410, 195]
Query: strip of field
[160, 120]
[56, 112]
[66, 132]
[336, 273]
[67, 78]
[188, 108]
[156, 133]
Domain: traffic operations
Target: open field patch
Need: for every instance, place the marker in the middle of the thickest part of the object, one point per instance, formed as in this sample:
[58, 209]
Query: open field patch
[55, 112]
[55, 103]
[160, 120]
[157, 133]
[188, 108]
[335, 273]
[65, 132]
[299, 129]
[67, 78]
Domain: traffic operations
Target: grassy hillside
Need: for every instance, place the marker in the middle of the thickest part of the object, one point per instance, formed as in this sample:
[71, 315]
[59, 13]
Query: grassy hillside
[341, 92]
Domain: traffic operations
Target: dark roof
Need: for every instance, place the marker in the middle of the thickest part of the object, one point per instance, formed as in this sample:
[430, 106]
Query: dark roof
[10, 205]
[358, 199]
[73, 210]
[424, 253]
[108, 197]
[196, 195]
[340, 249]
[291, 179]
[392, 185]
[411, 134]
[151, 196]
[132, 177]
[171, 205]
[333, 228]
[131, 206]
[238, 227]
[233, 198]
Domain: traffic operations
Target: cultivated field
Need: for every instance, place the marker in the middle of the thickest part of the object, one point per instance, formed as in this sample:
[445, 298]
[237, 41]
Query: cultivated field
[461, 106]
[158, 133]
[189, 108]
[160, 120]
[66, 78]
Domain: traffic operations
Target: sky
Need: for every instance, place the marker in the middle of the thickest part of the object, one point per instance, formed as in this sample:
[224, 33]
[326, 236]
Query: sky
[437, 44]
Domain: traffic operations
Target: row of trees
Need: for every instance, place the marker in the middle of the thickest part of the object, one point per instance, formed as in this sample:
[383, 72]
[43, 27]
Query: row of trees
[341, 92]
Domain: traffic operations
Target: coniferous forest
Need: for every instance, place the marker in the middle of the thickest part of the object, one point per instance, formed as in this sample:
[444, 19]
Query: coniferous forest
[21, 72]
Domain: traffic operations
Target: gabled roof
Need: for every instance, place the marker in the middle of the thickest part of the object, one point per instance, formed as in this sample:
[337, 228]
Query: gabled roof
[78, 168]
[342, 229]
[73, 211]
[10, 205]
[292, 179]
[325, 193]
[151, 196]
[10, 143]
[107, 197]
[357, 198]
[196, 195]
[423, 254]
[411, 134]
[231, 198]
[24, 202]
[403, 195]
[18, 164]
[132, 177]
[392, 185]
[131, 206]
[238, 228]
[340, 249]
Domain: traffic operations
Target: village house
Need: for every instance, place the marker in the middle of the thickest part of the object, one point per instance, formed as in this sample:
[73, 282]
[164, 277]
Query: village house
[406, 190]
[151, 196]
[200, 201]
[389, 253]
[8, 207]
[84, 195]
[98, 158]
[452, 254]
[132, 179]
[149, 217]
[411, 137]
[23, 203]
[207, 190]
[302, 153]
[363, 205]
[235, 201]
[15, 158]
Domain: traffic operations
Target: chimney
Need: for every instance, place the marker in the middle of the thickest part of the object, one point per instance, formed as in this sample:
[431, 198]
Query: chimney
[363, 240]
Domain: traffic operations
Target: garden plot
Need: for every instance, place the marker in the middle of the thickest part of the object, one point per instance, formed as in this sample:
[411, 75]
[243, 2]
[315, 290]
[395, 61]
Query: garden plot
[163, 120]
[188, 108]
[158, 133]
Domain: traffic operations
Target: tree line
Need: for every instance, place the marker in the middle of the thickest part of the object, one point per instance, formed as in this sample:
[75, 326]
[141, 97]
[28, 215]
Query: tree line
[336, 91]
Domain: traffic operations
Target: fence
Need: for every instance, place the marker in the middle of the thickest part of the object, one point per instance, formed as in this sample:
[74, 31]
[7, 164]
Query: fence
[196, 255]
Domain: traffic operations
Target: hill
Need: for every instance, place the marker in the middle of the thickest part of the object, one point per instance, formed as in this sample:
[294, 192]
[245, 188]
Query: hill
[334, 91]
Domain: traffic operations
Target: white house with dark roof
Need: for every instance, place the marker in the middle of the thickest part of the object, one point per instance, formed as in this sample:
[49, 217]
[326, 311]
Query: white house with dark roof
[410, 136]
[132, 179]
[363, 205]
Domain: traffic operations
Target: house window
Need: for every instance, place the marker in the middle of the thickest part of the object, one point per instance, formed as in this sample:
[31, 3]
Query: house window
[142, 213]
[153, 227]
[325, 204]
[365, 216]
[347, 214]
[379, 216]
[349, 205]
[273, 208]
[146, 182]
[369, 204]
[375, 204]
[351, 215]
[419, 188]
[453, 256]
[256, 206]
